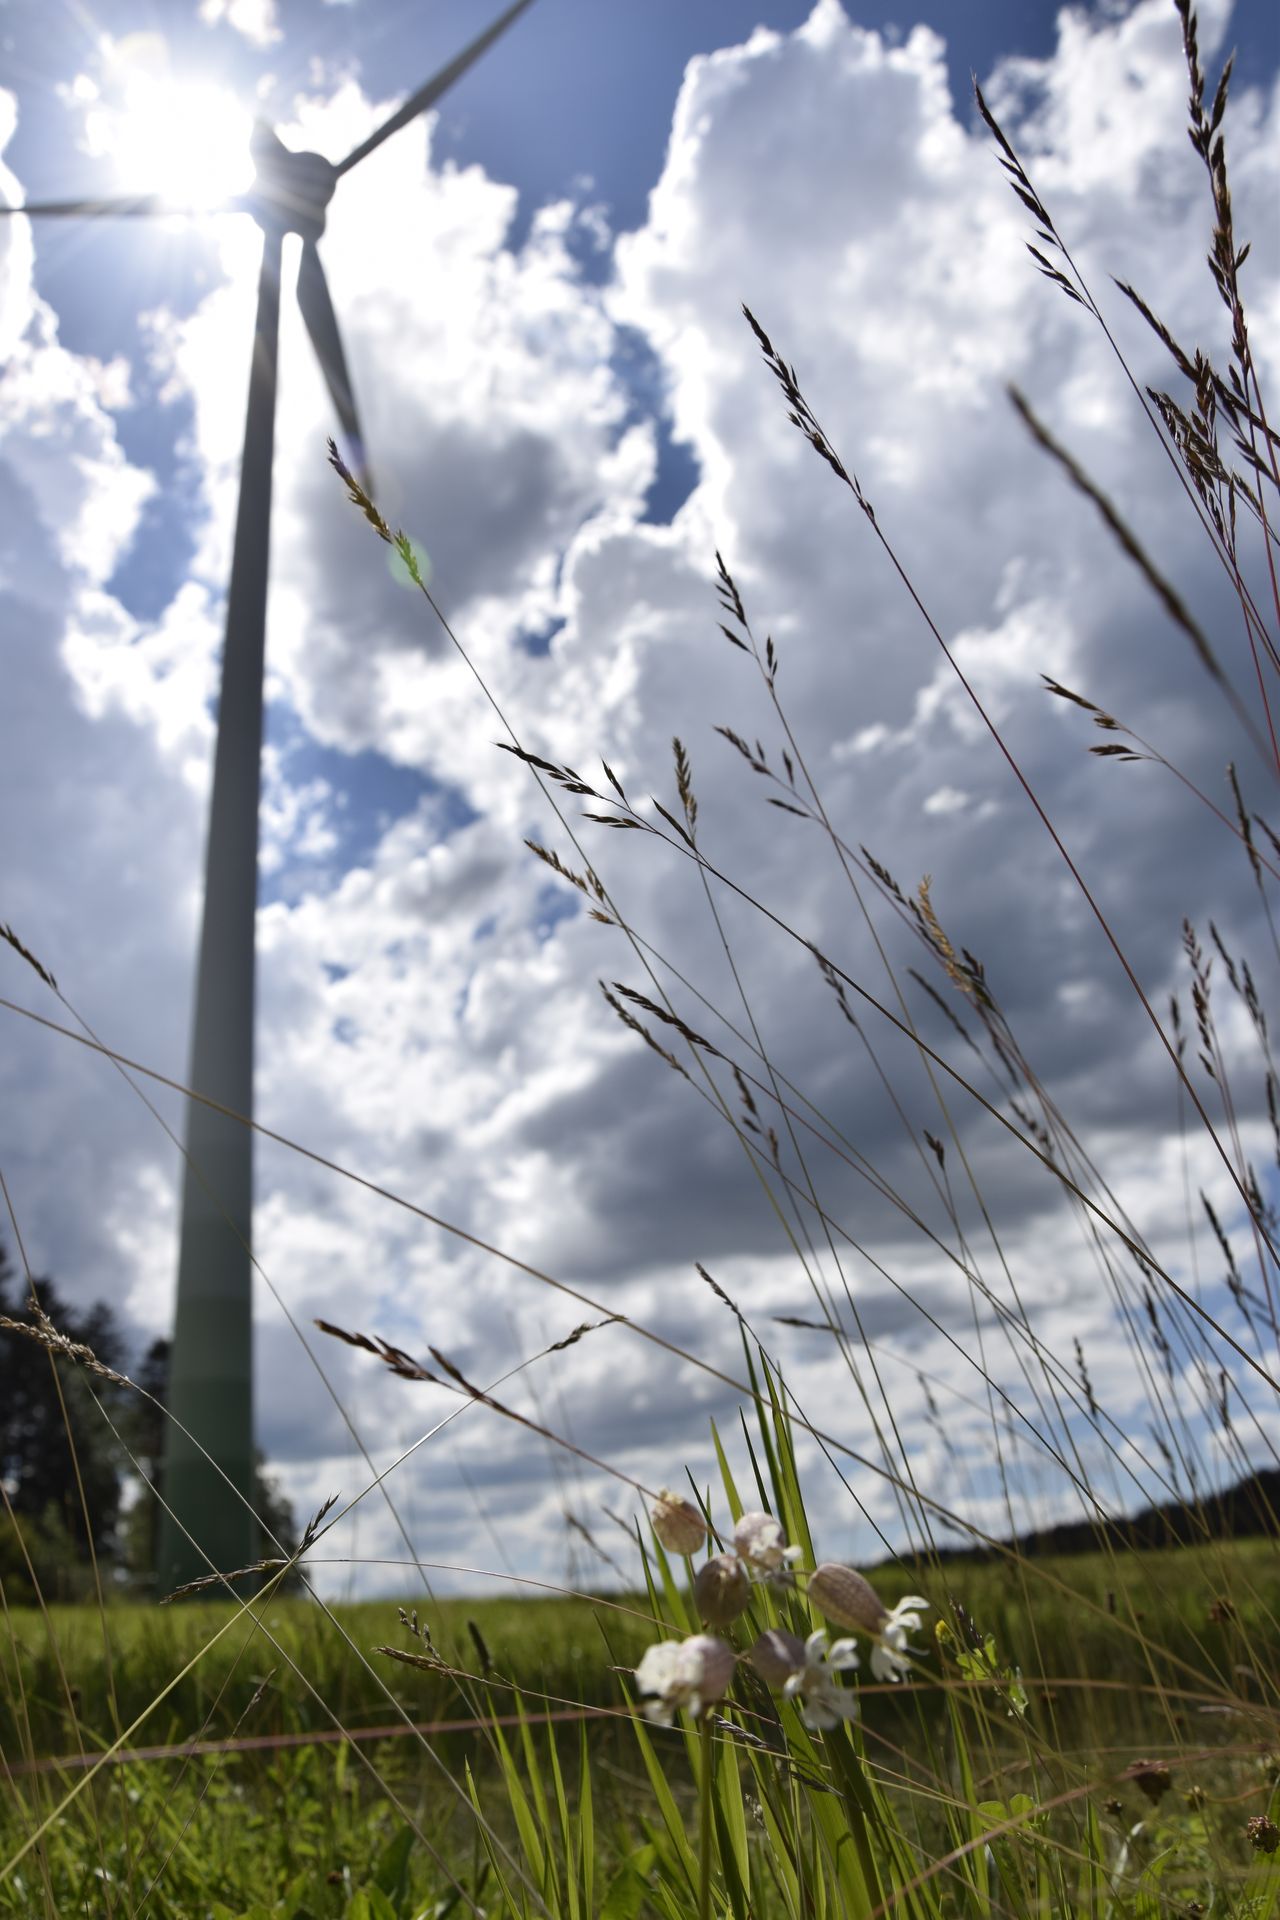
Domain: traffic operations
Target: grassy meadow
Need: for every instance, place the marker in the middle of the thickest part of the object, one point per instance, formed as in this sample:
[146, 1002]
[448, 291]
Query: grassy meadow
[756, 1732]
[296, 1779]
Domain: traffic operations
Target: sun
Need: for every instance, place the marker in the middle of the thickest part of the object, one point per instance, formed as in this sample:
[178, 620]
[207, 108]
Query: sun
[164, 130]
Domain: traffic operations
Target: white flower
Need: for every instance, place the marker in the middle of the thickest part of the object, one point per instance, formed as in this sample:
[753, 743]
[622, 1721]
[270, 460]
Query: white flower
[776, 1655]
[806, 1673]
[823, 1701]
[685, 1675]
[758, 1542]
[849, 1599]
[888, 1656]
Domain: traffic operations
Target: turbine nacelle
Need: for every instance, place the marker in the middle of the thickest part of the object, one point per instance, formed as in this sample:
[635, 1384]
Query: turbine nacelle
[291, 191]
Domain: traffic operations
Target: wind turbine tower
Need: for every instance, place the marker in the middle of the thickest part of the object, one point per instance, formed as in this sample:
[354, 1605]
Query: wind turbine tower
[208, 1515]
[208, 1478]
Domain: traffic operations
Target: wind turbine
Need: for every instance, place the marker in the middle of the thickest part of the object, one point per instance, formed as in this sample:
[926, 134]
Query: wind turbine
[211, 1362]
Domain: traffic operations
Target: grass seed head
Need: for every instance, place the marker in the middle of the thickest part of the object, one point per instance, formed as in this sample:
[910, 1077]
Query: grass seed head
[1152, 1778]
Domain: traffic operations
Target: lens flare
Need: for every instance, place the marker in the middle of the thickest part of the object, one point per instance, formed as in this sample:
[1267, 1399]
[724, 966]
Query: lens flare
[165, 130]
[422, 560]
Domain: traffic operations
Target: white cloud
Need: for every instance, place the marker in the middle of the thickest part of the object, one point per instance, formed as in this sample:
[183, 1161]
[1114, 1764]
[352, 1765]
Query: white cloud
[16, 250]
[946, 800]
[52, 424]
[428, 1013]
[255, 19]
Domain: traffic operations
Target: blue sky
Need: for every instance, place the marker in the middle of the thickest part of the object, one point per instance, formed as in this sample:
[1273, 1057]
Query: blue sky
[540, 290]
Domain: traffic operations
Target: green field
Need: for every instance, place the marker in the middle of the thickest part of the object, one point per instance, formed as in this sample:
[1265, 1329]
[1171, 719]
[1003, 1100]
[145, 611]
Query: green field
[278, 1825]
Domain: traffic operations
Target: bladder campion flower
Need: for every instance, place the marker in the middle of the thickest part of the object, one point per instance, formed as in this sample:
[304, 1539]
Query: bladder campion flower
[721, 1590]
[889, 1659]
[823, 1701]
[684, 1674]
[758, 1543]
[805, 1672]
[849, 1599]
[678, 1524]
[775, 1656]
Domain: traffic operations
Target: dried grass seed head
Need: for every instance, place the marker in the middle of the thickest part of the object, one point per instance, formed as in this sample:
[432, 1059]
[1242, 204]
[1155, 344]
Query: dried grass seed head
[1152, 1778]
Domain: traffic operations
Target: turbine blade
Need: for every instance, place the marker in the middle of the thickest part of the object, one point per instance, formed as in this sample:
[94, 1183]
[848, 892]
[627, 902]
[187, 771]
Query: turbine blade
[321, 323]
[123, 204]
[129, 204]
[427, 95]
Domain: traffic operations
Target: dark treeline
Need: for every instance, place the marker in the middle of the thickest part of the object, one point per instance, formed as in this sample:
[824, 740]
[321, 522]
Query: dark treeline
[79, 1454]
[1249, 1508]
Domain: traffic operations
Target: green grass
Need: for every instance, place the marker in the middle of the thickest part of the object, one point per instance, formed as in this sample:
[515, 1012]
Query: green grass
[1054, 1616]
[265, 1829]
[553, 1644]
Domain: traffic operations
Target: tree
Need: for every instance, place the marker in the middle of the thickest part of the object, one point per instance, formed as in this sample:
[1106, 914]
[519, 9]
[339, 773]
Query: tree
[60, 1464]
[67, 1479]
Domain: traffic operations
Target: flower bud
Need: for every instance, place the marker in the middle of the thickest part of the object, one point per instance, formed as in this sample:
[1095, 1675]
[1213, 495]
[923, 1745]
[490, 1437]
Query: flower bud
[677, 1523]
[775, 1656]
[1262, 1834]
[844, 1596]
[721, 1590]
[716, 1663]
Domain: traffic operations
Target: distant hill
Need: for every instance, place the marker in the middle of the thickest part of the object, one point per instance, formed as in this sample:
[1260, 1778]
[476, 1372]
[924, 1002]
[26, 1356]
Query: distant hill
[1249, 1508]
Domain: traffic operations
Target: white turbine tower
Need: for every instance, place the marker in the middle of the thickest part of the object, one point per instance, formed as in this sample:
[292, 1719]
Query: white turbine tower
[209, 1519]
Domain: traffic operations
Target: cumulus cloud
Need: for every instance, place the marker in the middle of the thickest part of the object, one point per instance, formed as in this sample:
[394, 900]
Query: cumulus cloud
[429, 1018]
[255, 19]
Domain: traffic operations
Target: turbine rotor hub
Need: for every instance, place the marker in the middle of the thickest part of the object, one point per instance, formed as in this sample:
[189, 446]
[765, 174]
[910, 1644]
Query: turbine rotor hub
[291, 191]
